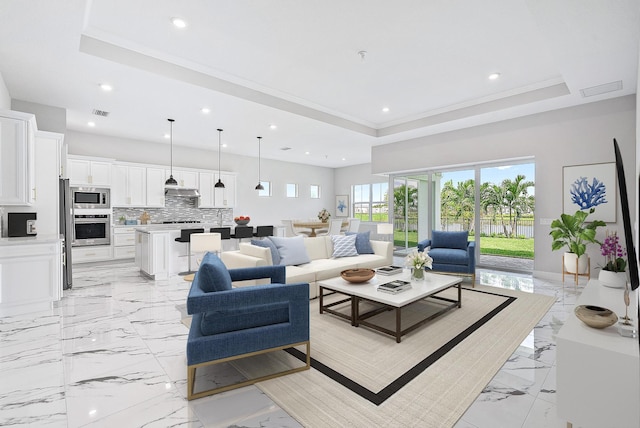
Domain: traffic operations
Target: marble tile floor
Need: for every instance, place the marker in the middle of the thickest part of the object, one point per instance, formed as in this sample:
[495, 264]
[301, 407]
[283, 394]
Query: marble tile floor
[111, 354]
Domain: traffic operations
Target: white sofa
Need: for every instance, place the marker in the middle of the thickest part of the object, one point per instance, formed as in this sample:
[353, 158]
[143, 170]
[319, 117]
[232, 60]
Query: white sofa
[322, 266]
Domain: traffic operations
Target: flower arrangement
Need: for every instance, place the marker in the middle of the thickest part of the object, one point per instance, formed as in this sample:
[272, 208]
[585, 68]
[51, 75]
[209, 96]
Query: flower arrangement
[418, 260]
[613, 253]
[324, 215]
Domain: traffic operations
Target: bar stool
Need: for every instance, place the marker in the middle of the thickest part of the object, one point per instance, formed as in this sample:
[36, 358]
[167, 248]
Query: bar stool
[185, 236]
[242, 232]
[262, 231]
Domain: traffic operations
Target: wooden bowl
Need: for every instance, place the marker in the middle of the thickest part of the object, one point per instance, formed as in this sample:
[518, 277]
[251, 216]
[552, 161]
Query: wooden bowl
[358, 275]
[595, 316]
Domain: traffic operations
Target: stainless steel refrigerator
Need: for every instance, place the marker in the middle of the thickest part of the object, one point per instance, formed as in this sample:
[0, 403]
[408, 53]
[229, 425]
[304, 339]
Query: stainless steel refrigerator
[66, 230]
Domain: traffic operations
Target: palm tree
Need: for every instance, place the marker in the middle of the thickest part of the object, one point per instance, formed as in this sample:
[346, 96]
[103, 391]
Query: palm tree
[516, 200]
[459, 201]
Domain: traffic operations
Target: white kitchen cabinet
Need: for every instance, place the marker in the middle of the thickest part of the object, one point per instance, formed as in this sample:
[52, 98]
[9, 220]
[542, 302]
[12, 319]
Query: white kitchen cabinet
[226, 197]
[185, 178]
[30, 274]
[124, 242]
[155, 187]
[17, 172]
[48, 146]
[95, 253]
[153, 252]
[207, 195]
[129, 186]
[88, 172]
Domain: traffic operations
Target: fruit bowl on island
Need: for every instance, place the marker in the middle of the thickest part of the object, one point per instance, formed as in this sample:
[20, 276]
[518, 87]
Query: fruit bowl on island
[242, 220]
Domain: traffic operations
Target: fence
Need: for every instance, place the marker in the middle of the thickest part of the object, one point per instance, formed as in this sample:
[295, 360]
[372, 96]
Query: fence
[488, 227]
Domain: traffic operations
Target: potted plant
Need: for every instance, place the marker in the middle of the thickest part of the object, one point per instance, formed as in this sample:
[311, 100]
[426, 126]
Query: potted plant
[613, 273]
[571, 232]
[324, 215]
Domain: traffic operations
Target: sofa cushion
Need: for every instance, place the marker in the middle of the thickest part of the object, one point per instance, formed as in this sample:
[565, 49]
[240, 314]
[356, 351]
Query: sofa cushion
[330, 268]
[443, 239]
[449, 256]
[222, 321]
[268, 243]
[344, 246]
[292, 250]
[363, 243]
[213, 274]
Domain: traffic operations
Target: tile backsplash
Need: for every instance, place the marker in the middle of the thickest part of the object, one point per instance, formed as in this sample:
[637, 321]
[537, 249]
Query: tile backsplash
[175, 209]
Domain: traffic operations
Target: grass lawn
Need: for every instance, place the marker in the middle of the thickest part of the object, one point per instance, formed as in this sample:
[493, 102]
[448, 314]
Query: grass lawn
[508, 247]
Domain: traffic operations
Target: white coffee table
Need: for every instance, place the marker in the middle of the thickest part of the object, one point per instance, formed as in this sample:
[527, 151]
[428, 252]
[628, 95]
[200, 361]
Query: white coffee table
[368, 291]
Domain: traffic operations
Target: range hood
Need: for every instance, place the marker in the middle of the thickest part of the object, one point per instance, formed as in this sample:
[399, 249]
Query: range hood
[184, 192]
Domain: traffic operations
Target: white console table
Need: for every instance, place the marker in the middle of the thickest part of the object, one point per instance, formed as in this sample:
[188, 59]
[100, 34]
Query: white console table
[598, 371]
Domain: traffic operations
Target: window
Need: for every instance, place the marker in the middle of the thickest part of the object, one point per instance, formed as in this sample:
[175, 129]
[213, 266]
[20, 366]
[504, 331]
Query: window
[314, 191]
[292, 190]
[371, 202]
[267, 189]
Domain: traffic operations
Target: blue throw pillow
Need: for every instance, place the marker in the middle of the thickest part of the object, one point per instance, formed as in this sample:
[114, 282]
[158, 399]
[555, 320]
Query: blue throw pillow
[213, 274]
[267, 243]
[344, 246]
[443, 239]
[292, 250]
[363, 243]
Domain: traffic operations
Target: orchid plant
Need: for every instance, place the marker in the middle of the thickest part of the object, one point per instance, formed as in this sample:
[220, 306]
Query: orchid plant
[419, 260]
[613, 253]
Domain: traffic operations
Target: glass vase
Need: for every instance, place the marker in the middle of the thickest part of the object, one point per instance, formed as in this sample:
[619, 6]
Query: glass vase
[417, 274]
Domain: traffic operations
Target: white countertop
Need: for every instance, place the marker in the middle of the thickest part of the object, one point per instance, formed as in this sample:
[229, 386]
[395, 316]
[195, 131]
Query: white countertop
[27, 240]
[148, 228]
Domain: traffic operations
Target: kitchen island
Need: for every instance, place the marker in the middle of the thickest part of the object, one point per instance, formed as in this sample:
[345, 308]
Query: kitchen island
[158, 255]
[30, 273]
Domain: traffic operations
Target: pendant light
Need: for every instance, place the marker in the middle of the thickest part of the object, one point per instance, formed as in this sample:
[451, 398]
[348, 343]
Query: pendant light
[171, 181]
[219, 184]
[259, 186]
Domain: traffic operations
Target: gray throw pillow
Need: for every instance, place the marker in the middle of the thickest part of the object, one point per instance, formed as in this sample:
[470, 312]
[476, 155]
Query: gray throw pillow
[267, 243]
[292, 250]
[344, 245]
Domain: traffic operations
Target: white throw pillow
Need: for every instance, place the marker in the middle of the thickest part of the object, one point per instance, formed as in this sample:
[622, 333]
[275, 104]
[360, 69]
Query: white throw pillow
[344, 245]
[292, 250]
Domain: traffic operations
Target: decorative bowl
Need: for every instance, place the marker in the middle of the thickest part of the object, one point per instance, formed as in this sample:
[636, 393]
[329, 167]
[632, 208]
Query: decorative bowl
[595, 316]
[356, 276]
[242, 222]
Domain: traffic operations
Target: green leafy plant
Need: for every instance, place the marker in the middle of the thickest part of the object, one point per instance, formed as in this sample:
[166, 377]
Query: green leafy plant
[570, 231]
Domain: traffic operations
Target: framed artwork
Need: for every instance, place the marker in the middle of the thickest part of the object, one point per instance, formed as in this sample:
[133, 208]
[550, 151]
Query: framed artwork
[590, 186]
[342, 205]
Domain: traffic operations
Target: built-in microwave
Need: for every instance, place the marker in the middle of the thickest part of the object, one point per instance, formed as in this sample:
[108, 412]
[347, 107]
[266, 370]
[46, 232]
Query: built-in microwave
[90, 197]
[91, 229]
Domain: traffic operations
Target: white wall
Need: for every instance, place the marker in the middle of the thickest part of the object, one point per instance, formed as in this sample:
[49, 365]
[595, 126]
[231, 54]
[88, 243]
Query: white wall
[572, 136]
[262, 210]
[48, 118]
[5, 99]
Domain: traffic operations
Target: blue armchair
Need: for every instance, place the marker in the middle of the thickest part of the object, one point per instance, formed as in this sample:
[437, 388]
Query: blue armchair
[452, 252]
[231, 323]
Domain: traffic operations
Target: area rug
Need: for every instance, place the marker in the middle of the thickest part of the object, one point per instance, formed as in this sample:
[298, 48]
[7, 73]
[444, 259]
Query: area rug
[362, 378]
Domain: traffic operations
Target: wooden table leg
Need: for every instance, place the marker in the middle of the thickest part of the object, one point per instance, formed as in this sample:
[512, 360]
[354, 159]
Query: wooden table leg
[398, 325]
[321, 298]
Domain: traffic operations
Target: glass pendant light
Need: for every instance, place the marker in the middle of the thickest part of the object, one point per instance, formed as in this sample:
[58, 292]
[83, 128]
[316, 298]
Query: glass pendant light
[259, 186]
[219, 184]
[171, 181]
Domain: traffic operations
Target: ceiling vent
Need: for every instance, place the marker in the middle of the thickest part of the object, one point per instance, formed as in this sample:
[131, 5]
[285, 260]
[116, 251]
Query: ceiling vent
[284, 149]
[601, 89]
[100, 113]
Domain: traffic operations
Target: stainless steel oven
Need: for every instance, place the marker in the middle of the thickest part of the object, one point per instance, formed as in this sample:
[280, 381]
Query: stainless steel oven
[90, 197]
[91, 229]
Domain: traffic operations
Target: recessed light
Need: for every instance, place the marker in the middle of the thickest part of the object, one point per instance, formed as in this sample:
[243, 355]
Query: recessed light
[92, 124]
[179, 22]
[167, 136]
[307, 153]
[385, 109]
[272, 126]
[224, 145]
[106, 87]
[344, 159]
[205, 110]
[494, 76]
